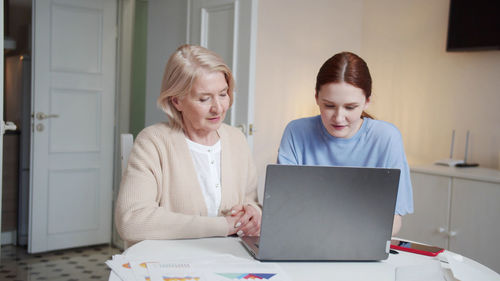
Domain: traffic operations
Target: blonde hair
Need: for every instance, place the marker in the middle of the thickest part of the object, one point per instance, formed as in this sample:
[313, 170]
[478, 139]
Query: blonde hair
[182, 68]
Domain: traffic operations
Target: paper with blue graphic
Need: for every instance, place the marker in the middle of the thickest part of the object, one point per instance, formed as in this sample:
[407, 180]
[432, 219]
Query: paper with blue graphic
[213, 268]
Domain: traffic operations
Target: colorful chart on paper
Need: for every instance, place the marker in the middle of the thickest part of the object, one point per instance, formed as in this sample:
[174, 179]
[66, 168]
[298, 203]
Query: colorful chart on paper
[187, 278]
[252, 276]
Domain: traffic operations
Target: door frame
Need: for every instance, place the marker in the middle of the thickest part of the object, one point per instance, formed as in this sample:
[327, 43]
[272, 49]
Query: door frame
[1, 113]
[126, 20]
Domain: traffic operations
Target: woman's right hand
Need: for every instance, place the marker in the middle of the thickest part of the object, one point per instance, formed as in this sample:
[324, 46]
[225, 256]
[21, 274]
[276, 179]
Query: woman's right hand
[232, 220]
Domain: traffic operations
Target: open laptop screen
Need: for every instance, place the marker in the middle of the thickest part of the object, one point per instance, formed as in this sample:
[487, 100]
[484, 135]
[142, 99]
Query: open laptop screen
[327, 213]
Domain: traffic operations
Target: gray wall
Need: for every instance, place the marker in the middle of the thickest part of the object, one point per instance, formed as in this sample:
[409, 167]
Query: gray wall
[167, 26]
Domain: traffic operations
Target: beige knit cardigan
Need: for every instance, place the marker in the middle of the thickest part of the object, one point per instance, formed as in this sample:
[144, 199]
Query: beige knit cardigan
[160, 196]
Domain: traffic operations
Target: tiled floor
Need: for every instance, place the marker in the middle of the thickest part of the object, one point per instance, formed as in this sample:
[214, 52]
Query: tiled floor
[65, 265]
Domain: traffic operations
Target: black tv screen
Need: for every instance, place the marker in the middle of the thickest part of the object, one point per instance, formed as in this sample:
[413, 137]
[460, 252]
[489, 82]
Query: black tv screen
[474, 25]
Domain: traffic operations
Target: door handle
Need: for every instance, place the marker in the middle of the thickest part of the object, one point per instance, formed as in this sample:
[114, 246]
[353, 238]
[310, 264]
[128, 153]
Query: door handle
[450, 234]
[442, 230]
[7, 126]
[242, 128]
[41, 116]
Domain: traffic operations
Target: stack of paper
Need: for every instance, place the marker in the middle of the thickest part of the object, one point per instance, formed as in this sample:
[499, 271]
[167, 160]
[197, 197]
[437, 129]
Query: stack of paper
[213, 268]
[430, 271]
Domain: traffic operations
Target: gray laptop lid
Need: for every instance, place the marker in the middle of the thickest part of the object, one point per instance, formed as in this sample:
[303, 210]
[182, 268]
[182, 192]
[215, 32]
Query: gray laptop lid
[327, 213]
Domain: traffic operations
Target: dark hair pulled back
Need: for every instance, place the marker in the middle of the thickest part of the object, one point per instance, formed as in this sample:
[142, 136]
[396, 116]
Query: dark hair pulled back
[349, 68]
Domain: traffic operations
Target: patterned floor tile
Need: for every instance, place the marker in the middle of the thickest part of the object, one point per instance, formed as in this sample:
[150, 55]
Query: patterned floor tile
[65, 265]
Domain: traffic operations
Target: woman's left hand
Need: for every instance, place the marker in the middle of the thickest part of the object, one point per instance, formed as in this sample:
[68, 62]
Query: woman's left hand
[249, 223]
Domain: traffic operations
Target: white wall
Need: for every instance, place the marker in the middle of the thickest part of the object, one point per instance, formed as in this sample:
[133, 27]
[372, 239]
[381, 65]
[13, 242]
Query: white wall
[427, 91]
[294, 38]
[167, 25]
[418, 86]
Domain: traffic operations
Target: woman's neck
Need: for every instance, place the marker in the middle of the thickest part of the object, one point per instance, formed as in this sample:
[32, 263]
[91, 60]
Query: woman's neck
[204, 138]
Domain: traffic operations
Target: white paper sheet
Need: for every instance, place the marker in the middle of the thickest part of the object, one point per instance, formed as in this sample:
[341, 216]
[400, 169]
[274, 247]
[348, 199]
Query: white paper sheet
[121, 267]
[216, 272]
[429, 271]
[129, 269]
[209, 268]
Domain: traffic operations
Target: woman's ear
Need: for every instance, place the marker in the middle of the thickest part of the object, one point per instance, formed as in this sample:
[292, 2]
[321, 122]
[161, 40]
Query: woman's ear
[176, 103]
[367, 103]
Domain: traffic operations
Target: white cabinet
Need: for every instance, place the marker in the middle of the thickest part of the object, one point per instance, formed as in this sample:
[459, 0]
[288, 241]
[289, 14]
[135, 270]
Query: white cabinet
[475, 221]
[430, 197]
[457, 209]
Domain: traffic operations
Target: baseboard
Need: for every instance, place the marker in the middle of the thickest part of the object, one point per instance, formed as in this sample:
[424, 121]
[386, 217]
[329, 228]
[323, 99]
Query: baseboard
[22, 240]
[9, 237]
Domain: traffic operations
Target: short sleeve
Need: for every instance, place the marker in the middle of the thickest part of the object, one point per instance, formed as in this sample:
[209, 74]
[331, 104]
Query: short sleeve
[397, 159]
[287, 151]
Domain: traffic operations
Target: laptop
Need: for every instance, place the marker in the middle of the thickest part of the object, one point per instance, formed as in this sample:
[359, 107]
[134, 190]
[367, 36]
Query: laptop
[320, 213]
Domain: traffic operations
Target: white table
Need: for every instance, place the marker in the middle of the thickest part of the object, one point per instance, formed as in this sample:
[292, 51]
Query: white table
[378, 270]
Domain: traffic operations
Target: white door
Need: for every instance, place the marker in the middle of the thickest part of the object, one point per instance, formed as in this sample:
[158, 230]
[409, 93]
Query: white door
[229, 28]
[73, 106]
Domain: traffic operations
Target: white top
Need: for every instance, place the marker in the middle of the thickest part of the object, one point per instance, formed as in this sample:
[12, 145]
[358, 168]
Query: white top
[206, 161]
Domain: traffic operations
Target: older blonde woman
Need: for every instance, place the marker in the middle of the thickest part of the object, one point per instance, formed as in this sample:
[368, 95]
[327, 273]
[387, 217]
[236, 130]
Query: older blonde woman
[193, 176]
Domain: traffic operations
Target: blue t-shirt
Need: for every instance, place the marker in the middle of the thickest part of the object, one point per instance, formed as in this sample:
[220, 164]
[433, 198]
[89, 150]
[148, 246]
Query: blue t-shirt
[377, 144]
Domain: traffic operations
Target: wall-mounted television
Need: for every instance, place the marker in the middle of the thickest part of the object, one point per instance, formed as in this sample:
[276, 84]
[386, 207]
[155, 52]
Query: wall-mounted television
[473, 25]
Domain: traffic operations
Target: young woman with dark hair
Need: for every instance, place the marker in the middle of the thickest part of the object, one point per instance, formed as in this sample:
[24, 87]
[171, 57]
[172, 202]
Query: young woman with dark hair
[344, 134]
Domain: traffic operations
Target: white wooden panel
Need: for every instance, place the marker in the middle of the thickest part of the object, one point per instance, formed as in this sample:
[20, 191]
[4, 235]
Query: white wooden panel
[246, 30]
[76, 39]
[475, 217]
[217, 34]
[73, 207]
[217, 31]
[430, 197]
[77, 129]
[70, 80]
